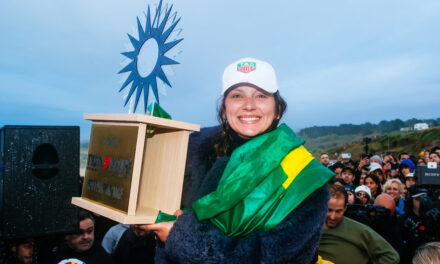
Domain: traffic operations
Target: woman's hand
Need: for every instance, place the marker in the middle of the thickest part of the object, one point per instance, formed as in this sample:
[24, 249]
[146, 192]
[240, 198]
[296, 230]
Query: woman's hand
[178, 213]
[162, 229]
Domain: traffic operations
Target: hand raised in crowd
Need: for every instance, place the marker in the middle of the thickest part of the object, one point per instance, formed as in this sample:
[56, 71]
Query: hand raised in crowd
[363, 162]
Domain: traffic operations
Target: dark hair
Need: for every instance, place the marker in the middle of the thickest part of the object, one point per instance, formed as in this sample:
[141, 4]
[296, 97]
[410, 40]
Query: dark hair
[402, 153]
[83, 215]
[434, 149]
[337, 191]
[435, 153]
[376, 180]
[222, 146]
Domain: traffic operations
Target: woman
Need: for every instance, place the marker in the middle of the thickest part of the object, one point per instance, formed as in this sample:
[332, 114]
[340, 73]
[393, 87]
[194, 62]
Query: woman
[373, 183]
[249, 114]
[394, 188]
[363, 195]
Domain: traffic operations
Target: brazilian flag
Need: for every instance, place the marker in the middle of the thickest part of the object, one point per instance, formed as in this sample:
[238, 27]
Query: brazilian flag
[265, 179]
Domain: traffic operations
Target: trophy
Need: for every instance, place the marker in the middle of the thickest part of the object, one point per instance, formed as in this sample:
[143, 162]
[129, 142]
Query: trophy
[136, 162]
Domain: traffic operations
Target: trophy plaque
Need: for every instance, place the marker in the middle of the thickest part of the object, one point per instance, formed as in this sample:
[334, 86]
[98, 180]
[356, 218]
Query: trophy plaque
[135, 166]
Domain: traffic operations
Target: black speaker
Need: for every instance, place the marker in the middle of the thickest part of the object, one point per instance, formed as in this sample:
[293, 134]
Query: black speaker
[39, 175]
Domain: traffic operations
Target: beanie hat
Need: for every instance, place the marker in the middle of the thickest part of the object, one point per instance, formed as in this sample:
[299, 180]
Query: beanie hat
[376, 157]
[408, 163]
[252, 71]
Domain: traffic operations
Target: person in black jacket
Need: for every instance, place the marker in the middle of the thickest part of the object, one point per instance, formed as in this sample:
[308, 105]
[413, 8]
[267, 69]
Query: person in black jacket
[136, 246]
[81, 247]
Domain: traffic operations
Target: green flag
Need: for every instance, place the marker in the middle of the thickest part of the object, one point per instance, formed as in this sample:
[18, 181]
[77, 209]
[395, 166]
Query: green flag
[155, 110]
[265, 179]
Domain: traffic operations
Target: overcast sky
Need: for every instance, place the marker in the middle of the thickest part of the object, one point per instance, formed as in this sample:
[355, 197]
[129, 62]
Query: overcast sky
[336, 61]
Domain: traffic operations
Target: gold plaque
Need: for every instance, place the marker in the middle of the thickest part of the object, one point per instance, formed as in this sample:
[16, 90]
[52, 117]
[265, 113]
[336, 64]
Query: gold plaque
[110, 165]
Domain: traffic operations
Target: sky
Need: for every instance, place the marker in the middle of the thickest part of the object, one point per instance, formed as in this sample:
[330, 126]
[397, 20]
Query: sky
[336, 61]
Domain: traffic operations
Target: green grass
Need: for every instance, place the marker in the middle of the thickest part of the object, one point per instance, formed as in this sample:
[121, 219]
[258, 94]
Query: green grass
[412, 142]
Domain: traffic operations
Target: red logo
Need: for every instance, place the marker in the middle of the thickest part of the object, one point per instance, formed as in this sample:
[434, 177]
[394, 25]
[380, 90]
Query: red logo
[106, 162]
[246, 66]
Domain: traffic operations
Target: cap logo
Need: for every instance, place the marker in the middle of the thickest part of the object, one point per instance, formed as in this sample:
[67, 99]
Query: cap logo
[246, 66]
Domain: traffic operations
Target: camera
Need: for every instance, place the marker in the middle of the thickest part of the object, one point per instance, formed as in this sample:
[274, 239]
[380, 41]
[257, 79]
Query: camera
[365, 213]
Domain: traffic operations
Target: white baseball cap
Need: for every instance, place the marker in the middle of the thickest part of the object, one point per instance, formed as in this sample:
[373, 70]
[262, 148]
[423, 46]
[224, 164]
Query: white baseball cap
[375, 166]
[363, 188]
[253, 71]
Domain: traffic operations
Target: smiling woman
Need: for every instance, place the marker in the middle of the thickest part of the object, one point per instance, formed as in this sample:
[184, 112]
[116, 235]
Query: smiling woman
[252, 188]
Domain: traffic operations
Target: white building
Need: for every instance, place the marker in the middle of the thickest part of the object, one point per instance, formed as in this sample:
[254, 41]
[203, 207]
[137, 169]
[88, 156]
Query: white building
[421, 126]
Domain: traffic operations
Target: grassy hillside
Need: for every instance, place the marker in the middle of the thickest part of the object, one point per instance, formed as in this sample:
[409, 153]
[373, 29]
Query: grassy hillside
[411, 142]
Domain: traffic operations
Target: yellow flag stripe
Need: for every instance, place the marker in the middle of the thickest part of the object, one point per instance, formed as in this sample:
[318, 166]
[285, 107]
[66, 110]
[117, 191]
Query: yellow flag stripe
[294, 162]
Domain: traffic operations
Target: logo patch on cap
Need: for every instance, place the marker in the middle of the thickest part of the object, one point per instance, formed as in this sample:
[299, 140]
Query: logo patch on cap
[246, 66]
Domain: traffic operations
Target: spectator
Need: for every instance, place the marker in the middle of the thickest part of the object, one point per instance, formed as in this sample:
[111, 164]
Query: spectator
[435, 149]
[389, 161]
[347, 175]
[385, 223]
[363, 194]
[410, 180]
[347, 241]
[394, 188]
[21, 251]
[421, 161]
[405, 166]
[111, 238]
[362, 178]
[337, 169]
[324, 159]
[420, 223]
[403, 156]
[80, 247]
[373, 183]
[434, 157]
[351, 193]
[428, 253]
[136, 246]
[337, 181]
[376, 159]
[376, 169]
[350, 163]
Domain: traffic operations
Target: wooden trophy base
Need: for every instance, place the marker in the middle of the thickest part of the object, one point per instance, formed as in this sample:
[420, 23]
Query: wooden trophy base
[135, 167]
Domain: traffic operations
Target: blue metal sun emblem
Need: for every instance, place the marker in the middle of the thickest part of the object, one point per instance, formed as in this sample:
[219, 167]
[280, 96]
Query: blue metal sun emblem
[141, 77]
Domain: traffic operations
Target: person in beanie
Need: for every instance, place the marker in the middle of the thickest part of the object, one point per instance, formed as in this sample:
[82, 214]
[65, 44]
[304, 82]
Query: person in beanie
[251, 162]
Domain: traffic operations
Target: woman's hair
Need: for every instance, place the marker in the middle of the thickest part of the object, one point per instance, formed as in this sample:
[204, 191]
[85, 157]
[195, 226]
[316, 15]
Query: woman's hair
[388, 183]
[222, 146]
[376, 180]
[428, 253]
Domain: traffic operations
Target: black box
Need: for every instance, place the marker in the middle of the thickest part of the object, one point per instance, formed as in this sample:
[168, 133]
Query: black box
[39, 175]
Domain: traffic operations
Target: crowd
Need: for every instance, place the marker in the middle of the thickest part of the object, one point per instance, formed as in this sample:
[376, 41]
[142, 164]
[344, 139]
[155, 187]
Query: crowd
[376, 212]
[382, 193]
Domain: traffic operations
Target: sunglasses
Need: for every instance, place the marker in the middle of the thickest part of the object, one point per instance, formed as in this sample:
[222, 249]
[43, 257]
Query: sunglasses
[362, 195]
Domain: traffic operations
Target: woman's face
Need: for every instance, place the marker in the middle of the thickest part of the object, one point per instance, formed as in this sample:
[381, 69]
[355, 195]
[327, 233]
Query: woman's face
[362, 196]
[393, 190]
[372, 185]
[249, 111]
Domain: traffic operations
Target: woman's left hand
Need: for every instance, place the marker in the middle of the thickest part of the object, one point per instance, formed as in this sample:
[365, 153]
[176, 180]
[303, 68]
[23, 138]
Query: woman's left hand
[162, 229]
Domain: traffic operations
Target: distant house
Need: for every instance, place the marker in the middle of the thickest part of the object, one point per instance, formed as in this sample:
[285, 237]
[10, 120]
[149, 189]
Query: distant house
[421, 126]
[406, 129]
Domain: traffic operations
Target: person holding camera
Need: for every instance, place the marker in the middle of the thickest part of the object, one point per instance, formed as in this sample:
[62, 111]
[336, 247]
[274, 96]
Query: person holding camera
[421, 221]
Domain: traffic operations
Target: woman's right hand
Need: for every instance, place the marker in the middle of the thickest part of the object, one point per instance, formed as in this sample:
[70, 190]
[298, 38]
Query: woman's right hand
[162, 229]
